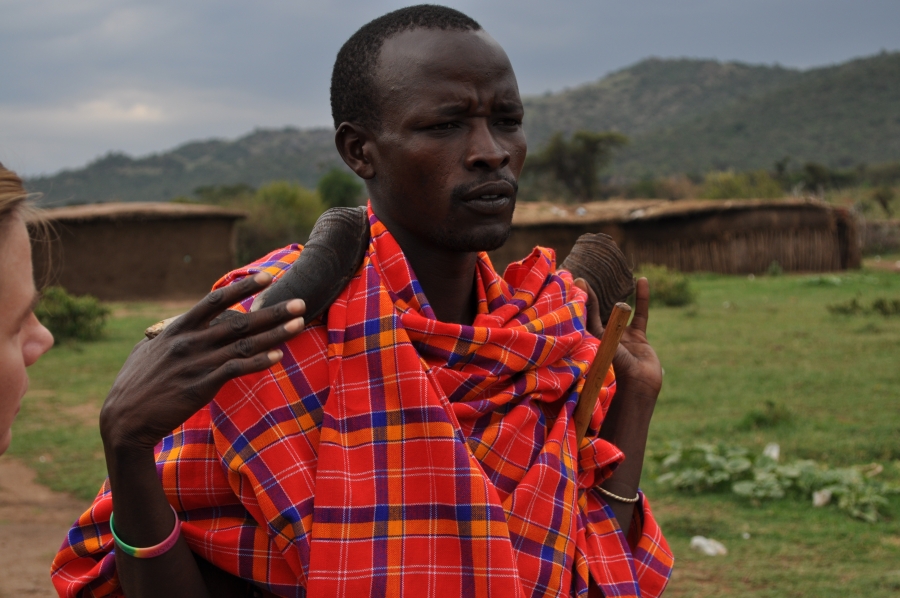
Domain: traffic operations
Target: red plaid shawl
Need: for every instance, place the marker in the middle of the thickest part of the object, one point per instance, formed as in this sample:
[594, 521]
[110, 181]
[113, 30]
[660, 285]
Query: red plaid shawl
[391, 454]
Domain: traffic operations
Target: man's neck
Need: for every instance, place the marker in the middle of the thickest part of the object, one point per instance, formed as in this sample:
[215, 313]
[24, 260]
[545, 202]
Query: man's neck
[448, 281]
[447, 277]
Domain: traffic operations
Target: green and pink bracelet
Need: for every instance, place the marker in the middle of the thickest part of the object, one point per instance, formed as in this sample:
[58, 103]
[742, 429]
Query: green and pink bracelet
[151, 551]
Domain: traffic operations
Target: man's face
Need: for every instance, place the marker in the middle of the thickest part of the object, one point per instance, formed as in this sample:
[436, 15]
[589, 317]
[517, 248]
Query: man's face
[450, 149]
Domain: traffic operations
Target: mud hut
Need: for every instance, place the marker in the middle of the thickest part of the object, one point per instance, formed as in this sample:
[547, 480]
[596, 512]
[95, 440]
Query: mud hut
[729, 237]
[129, 251]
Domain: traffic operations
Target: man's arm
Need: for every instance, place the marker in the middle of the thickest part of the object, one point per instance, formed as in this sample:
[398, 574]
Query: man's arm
[638, 382]
[162, 384]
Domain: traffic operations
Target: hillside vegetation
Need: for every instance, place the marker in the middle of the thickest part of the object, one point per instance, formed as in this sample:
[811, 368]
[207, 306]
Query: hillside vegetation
[681, 116]
[263, 156]
[838, 116]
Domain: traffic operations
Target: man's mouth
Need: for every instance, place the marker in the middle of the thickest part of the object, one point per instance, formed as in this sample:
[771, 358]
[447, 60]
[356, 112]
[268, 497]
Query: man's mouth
[489, 204]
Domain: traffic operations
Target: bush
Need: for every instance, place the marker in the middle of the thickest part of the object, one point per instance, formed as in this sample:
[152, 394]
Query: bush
[740, 185]
[66, 316]
[278, 214]
[770, 416]
[881, 306]
[339, 188]
[671, 188]
[775, 269]
[667, 287]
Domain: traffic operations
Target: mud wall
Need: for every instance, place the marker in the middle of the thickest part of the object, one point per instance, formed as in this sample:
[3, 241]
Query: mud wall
[118, 260]
[799, 238]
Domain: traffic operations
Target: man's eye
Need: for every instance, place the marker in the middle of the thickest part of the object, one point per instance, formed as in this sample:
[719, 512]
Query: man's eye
[443, 127]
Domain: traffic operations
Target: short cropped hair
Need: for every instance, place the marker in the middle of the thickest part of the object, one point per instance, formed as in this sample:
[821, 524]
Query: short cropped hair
[354, 94]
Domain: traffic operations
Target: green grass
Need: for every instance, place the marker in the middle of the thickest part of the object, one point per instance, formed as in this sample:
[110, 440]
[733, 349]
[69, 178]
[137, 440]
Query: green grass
[759, 361]
[751, 362]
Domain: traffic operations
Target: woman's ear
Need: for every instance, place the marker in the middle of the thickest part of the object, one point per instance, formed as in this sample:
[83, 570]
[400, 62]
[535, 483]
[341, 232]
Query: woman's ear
[354, 144]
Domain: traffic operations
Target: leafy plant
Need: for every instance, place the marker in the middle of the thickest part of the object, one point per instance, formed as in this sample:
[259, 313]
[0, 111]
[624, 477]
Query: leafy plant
[710, 468]
[67, 316]
[667, 287]
[703, 467]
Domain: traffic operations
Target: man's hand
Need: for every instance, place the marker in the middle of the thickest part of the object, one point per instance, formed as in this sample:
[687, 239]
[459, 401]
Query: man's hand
[635, 362]
[168, 379]
[638, 382]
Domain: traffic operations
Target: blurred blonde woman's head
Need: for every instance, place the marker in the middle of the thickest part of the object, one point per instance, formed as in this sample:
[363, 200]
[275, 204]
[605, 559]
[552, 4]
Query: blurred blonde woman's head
[22, 338]
[12, 195]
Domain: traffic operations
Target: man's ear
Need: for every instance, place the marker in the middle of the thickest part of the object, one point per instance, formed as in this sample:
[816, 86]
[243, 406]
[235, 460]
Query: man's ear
[354, 144]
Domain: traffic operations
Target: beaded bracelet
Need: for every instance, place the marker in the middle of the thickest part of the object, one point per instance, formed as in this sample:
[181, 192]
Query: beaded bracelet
[151, 551]
[603, 490]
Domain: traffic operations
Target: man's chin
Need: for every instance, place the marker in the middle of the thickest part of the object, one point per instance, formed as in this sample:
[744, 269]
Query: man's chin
[482, 239]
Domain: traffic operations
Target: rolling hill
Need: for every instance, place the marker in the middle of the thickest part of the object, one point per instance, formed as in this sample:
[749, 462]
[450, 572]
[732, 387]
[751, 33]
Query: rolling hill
[682, 115]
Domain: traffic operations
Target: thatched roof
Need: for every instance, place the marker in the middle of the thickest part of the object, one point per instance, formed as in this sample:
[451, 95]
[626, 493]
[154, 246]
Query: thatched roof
[626, 210]
[118, 211]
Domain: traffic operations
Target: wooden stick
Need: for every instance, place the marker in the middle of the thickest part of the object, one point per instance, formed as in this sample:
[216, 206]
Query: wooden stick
[590, 392]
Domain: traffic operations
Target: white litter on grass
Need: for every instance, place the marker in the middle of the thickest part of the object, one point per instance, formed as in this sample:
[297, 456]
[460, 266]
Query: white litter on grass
[708, 546]
[821, 497]
[746, 535]
[772, 451]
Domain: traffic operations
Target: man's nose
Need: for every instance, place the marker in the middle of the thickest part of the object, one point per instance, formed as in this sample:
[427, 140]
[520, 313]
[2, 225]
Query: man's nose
[484, 150]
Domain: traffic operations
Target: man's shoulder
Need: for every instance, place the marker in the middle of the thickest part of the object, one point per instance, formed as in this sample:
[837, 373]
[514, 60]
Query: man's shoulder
[275, 263]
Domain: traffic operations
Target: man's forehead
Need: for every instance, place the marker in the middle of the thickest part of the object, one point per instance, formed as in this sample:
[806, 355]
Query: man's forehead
[425, 54]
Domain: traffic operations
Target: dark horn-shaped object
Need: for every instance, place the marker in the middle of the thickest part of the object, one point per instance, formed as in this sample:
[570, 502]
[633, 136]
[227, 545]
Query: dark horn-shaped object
[598, 260]
[333, 254]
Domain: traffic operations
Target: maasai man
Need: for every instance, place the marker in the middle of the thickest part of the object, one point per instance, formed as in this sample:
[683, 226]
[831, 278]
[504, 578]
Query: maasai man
[402, 446]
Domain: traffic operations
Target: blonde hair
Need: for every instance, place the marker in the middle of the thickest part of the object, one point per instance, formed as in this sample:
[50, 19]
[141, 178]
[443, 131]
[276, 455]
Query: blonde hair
[15, 205]
[12, 196]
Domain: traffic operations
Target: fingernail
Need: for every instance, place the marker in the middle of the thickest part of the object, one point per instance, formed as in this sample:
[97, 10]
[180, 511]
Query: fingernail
[262, 278]
[295, 306]
[294, 325]
[275, 355]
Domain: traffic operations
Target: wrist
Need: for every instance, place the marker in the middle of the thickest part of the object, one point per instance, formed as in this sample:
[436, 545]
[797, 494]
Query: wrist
[635, 392]
[121, 432]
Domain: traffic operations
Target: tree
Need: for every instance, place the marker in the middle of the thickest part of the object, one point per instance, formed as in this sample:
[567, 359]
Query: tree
[576, 162]
[339, 188]
[884, 195]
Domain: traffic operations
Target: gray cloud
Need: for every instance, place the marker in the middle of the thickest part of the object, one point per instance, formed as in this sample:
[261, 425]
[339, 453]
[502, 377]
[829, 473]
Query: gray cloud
[82, 78]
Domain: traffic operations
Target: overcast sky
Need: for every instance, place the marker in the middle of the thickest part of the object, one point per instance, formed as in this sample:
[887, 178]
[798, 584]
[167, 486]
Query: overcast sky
[79, 78]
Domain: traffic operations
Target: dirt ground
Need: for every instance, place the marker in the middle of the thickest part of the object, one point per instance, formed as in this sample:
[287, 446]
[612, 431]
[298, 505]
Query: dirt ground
[33, 523]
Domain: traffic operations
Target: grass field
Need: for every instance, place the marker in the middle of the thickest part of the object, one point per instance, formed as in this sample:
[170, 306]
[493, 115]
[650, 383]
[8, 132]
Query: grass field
[743, 344]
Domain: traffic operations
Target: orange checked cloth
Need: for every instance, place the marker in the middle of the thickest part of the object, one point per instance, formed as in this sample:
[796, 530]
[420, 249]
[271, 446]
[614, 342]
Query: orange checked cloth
[390, 454]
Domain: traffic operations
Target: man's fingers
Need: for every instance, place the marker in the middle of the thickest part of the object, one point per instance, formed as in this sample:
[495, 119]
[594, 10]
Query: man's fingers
[594, 323]
[241, 325]
[219, 300]
[249, 346]
[239, 367]
[641, 305]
